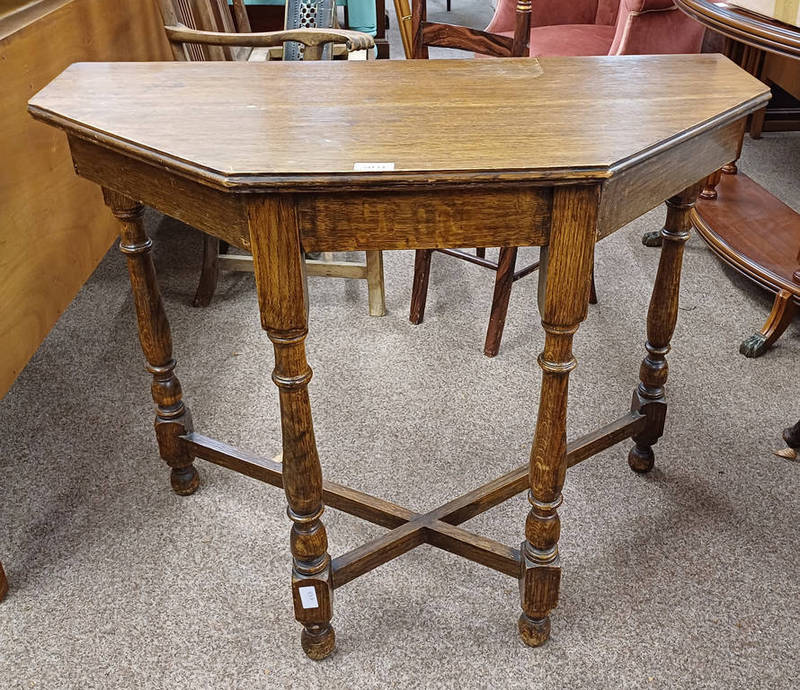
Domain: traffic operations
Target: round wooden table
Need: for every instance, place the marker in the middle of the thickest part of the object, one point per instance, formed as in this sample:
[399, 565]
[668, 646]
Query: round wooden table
[770, 258]
[745, 225]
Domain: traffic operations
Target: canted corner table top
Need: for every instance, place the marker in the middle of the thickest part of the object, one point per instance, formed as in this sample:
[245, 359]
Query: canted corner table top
[269, 124]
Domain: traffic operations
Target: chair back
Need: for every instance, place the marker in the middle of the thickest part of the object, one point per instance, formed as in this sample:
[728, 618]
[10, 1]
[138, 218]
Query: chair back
[207, 15]
[425, 33]
[308, 14]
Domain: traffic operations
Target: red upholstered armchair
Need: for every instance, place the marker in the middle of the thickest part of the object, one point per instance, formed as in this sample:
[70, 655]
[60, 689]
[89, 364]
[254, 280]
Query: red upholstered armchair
[603, 27]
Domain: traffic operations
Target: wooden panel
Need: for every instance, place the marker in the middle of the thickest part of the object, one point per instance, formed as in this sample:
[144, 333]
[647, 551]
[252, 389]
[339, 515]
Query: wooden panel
[436, 120]
[644, 185]
[504, 217]
[54, 227]
[202, 207]
[783, 71]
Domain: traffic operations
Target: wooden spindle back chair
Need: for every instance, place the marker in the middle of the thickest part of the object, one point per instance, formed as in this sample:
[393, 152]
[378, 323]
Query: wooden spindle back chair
[423, 34]
[418, 34]
[202, 30]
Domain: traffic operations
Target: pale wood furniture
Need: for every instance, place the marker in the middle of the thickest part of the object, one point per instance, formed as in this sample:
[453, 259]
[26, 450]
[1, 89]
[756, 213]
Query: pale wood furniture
[213, 16]
[530, 163]
[51, 242]
[745, 225]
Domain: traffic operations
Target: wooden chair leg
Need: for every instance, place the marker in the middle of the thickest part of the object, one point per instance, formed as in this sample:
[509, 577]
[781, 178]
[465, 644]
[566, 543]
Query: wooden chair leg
[209, 272]
[480, 252]
[377, 297]
[593, 290]
[504, 279]
[781, 315]
[3, 583]
[419, 289]
[757, 123]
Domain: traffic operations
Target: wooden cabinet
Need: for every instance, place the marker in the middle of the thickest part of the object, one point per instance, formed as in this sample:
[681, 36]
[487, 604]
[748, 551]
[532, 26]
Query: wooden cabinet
[54, 227]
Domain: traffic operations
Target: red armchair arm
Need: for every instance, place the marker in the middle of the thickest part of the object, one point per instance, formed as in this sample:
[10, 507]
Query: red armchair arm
[647, 27]
[544, 13]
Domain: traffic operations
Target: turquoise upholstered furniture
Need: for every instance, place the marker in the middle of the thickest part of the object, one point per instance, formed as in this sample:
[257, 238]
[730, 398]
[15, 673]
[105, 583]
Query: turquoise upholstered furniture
[361, 14]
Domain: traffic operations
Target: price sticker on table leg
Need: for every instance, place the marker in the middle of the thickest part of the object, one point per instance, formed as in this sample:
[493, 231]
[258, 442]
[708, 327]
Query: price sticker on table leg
[308, 597]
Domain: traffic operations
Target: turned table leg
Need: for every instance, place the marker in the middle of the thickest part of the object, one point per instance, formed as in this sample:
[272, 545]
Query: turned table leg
[283, 301]
[649, 397]
[172, 416]
[564, 283]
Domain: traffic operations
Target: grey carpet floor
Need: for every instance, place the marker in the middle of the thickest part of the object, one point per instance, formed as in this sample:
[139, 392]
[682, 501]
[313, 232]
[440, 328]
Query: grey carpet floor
[686, 577]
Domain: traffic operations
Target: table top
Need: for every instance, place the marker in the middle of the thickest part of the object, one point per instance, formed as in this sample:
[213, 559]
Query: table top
[747, 27]
[272, 124]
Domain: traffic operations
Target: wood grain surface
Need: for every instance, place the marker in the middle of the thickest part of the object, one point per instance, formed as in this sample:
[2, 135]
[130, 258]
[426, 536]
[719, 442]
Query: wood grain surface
[54, 227]
[578, 115]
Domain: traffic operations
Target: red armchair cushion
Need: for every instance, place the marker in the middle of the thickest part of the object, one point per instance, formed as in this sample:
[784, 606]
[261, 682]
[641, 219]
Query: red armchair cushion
[570, 39]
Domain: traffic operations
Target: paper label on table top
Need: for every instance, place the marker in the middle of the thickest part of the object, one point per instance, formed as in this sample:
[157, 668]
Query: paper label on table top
[372, 167]
[308, 597]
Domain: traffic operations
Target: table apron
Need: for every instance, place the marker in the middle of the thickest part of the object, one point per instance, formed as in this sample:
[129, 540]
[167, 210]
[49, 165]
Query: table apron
[214, 211]
[644, 185]
[425, 219]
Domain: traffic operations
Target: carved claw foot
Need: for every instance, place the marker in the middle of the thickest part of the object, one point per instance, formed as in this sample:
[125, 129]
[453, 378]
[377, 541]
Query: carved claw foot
[652, 238]
[641, 459]
[318, 641]
[754, 346]
[533, 633]
[184, 480]
[792, 436]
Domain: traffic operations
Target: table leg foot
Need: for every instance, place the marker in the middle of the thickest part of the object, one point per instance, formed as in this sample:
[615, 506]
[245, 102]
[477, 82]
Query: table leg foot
[652, 238]
[184, 480]
[318, 641]
[534, 633]
[641, 458]
[780, 316]
[754, 346]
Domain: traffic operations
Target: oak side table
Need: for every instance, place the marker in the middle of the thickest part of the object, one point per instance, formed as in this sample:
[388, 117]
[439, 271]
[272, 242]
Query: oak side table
[558, 153]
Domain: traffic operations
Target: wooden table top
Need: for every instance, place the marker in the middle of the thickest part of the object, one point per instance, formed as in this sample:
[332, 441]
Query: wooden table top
[747, 27]
[268, 124]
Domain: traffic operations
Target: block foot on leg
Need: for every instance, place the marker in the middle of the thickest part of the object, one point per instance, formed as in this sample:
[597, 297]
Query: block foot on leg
[184, 480]
[641, 458]
[318, 641]
[533, 633]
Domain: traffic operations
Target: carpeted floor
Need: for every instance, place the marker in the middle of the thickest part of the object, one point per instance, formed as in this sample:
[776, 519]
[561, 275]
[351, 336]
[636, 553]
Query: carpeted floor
[686, 577]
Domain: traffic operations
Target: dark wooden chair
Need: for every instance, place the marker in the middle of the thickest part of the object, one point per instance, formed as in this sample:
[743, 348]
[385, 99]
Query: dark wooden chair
[202, 30]
[422, 35]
